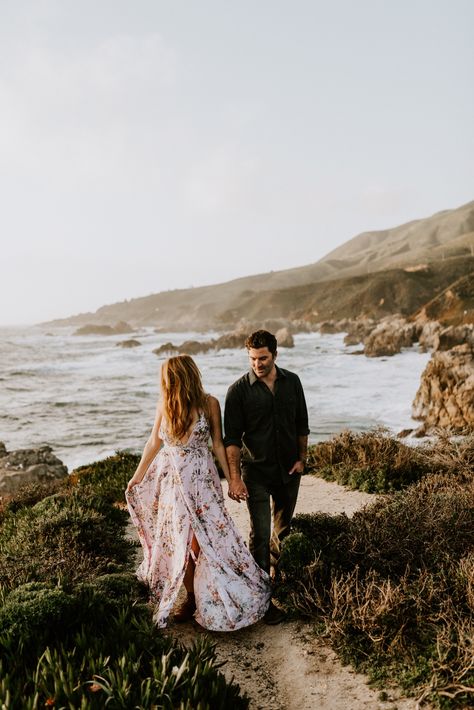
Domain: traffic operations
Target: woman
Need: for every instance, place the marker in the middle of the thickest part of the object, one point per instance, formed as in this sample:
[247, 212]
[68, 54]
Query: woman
[175, 500]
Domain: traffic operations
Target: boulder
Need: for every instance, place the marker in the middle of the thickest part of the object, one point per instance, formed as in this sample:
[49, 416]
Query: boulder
[352, 339]
[119, 328]
[284, 338]
[445, 398]
[91, 329]
[233, 340]
[122, 327]
[390, 336]
[428, 338]
[328, 327]
[26, 466]
[194, 347]
[358, 330]
[129, 343]
[190, 347]
[166, 348]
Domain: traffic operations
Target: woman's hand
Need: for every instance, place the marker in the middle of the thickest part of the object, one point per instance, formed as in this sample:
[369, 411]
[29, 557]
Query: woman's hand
[132, 482]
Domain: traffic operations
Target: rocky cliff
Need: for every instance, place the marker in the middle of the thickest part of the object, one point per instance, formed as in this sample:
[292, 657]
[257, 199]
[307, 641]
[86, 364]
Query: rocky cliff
[445, 398]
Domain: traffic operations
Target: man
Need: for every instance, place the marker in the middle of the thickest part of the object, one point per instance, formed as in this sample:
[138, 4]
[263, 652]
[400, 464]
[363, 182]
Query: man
[266, 439]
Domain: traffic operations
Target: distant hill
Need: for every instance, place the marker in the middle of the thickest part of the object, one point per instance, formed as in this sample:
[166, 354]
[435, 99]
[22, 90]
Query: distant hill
[368, 274]
[444, 235]
[370, 295]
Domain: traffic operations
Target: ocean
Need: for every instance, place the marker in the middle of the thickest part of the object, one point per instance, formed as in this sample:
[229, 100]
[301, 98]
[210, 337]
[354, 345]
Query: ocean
[87, 398]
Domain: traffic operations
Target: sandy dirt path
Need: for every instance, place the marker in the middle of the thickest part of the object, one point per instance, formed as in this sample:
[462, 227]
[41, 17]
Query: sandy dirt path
[286, 667]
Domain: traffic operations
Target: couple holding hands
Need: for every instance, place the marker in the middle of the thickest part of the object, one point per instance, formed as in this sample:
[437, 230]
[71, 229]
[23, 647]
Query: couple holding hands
[176, 501]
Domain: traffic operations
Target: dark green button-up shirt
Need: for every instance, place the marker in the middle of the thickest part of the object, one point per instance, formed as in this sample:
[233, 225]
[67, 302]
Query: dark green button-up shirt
[266, 426]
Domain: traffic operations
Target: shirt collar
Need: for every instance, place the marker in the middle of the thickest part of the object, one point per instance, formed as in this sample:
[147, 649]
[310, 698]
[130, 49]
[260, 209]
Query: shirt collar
[253, 377]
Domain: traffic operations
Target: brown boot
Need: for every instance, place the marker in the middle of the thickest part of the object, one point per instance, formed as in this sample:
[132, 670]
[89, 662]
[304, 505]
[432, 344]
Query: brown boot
[185, 611]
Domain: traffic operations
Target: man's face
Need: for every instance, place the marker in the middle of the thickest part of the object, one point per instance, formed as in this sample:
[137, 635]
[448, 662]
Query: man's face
[261, 361]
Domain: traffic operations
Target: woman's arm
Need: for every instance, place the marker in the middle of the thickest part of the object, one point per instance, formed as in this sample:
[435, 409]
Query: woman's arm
[237, 489]
[152, 447]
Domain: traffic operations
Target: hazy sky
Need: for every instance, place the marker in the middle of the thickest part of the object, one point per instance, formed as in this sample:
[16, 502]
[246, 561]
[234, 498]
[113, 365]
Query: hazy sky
[152, 145]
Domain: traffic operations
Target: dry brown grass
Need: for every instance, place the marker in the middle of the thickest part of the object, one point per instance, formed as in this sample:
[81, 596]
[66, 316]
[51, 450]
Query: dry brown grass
[394, 584]
[454, 455]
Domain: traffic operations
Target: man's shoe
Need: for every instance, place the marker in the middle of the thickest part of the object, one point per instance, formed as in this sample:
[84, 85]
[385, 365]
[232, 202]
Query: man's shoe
[186, 611]
[274, 615]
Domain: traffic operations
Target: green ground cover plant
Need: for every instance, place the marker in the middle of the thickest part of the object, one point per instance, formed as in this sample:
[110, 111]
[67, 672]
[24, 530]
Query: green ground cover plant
[75, 624]
[393, 586]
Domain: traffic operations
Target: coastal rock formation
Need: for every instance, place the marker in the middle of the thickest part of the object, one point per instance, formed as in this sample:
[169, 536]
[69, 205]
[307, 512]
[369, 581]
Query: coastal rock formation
[119, 328]
[190, 347]
[18, 468]
[451, 336]
[358, 330]
[284, 338]
[227, 341]
[194, 347]
[445, 398]
[390, 336]
[328, 327]
[428, 338]
[128, 343]
[165, 348]
[455, 305]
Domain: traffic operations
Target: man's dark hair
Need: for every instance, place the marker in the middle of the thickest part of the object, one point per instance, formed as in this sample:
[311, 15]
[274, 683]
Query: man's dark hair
[262, 339]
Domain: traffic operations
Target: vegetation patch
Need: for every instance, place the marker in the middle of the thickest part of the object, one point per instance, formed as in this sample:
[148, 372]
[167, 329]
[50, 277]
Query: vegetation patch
[76, 628]
[109, 477]
[394, 586]
[375, 462]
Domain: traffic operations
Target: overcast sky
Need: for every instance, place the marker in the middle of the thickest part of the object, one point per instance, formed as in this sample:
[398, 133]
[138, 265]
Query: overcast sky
[154, 145]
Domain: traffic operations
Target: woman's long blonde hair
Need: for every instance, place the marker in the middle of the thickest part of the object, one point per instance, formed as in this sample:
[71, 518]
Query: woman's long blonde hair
[182, 393]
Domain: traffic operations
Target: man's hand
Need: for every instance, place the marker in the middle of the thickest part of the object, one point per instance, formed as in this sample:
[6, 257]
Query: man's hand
[237, 489]
[298, 467]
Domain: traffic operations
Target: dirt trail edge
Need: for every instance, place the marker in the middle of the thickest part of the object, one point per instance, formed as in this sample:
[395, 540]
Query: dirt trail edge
[286, 667]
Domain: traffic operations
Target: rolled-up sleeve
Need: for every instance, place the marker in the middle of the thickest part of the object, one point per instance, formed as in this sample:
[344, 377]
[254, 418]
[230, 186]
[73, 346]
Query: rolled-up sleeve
[302, 427]
[233, 418]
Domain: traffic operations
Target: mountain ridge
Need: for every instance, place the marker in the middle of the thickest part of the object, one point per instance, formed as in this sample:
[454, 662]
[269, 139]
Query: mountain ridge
[446, 236]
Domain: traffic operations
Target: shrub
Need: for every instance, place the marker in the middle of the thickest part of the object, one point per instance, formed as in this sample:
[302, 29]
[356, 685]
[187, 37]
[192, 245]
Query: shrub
[427, 526]
[453, 455]
[74, 628]
[32, 493]
[395, 589]
[105, 651]
[372, 462]
[69, 538]
[109, 477]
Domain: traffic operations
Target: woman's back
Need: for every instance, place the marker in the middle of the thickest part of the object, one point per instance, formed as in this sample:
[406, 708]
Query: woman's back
[197, 433]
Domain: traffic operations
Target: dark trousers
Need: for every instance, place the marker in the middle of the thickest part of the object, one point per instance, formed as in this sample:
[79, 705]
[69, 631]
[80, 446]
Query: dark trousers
[267, 500]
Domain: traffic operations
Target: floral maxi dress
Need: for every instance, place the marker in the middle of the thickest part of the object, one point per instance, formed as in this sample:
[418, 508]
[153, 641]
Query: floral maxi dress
[181, 495]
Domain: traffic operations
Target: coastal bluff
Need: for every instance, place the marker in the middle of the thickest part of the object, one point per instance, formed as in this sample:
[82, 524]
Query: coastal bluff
[26, 466]
[423, 264]
[445, 398]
